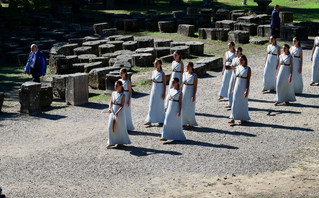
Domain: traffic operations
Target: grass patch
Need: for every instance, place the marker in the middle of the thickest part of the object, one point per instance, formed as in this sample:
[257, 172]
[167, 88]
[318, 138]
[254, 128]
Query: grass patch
[98, 96]
[12, 77]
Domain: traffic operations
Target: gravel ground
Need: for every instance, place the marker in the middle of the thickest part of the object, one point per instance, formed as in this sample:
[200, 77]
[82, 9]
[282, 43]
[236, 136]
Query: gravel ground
[62, 152]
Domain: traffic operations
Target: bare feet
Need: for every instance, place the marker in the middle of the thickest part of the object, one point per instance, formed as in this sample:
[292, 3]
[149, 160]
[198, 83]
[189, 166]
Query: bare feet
[231, 122]
[227, 107]
[263, 91]
[272, 91]
[240, 121]
[120, 145]
[148, 123]
[286, 103]
[220, 98]
[163, 139]
[312, 83]
[276, 103]
[109, 146]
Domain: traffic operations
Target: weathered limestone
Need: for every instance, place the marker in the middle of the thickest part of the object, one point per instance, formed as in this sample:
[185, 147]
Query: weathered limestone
[263, 31]
[196, 48]
[88, 67]
[97, 77]
[118, 45]
[200, 69]
[1, 100]
[125, 38]
[207, 11]
[249, 19]
[94, 37]
[106, 48]
[98, 27]
[178, 14]
[202, 33]
[121, 64]
[144, 42]
[131, 25]
[113, 37]
[85, 58]
[238, 36]
[130, 45]
[184, 50]
[167, 59]
[78, 67]
[59, 64]
[226, 24]
[94, 45]
[222, 14]
[213, 63]
[286, 17]
[287, 33]
[110, 80]
[150, 50]
[162, 51]
[83, 50]
[78, 41]
[77, 92]
[58, 84]
[186, 30]
[143, 59]
[258, 41]
[103, 59]
[46, 96]
[66, 49]
[167, 26]
[174, 44]
[109, 32]
[221, 34]
[250, 27]
[29, 98]
[162, 42]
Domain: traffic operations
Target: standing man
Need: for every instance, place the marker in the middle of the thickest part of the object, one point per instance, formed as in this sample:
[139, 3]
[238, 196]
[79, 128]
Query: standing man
[36, 64]
[275, 22]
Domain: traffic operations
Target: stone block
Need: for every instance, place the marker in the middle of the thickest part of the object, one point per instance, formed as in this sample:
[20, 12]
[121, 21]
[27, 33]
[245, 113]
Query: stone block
[258, 41]
[204, 21]
[110, 81]
[143, 42]
[249, 19]
[130, 45]
[225, 24]
[106, 48]
[250, 27]
[222, 14]
[94, 37]
[78, 41]
[131, 25]
[103, 59]
[143, 59]
[235, 16]
[221, 34]
[46, 96]
[151, 25]
[162, 51]
[97, 77]
[77, 92]
[186, 30]
[118, 45]
[98, 28]
[195, 47]
[207, 11]
[167, 59]
[59, 64]
[174, 44]
[213, 63]
[192, 10]
[94, 45]
[125, 38]
[184, 50]
[264, 30]
[78, 67]
[202, 33]
[120, 64]
[66, 49]
[85, 58]
[89, 66]
[238, 36]
[167, 26]
[311, 27]
[200, 69]
[29, 98]
[163, 42]
[286, 17]
[178, 14]
[287, 33]
[58, 84]
[150, 50]
[113, 37]
[109, 32]
[83, 50]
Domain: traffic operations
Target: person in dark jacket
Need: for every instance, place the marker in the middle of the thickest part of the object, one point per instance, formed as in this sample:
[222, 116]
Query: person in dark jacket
[36, 65]
[275, 22]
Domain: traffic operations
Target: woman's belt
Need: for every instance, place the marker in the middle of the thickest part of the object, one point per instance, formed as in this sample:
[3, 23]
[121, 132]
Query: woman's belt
[228, 67]
[126, 91]
[187, 84]
[286, 64]
[177, 71]
[117, 104]
[154, 81]
[241, 77]
[296, 56]
[272, 54]
[174, 100]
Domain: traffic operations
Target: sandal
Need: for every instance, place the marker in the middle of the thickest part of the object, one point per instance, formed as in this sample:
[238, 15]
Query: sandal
[231, 122]
[109, 146]
[263, 91]
[227, 107]
[312, 83]
[148, 123]
[220, 98]
[163, 139]
[276, 103]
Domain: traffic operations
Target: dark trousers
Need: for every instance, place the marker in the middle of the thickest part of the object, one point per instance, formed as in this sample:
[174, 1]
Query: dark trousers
[36, 78]
[274, 32]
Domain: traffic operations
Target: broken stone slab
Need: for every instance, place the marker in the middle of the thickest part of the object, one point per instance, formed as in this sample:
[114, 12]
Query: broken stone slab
[58, 84]
[212, 63]
[163, 42]
[120, 64]
[186, 30]
[287, 33]
[83, 50]
[162, 51]
[118, 45]
[286, 17]
[113, 37]
[174, 44]
[258, 41]
[130, 45]
[200, 69]
[78, 67]
[89, 66]
[125, 38]
[109, 32]
[167, 59]
[46, 96]
[98, 28]
[184, 50]
[94, 37]
[264, 30]
[78, 41]
[104, 60]
[106, 48]
[238, 36]
[167, 26]
[94, 45]
[143, 42]
[222, 34]
[97, 77]
[77, 92]
[85, 58]
[195, 47]
[150, 50]
[29, 98]
[143, 59]
[250, 27]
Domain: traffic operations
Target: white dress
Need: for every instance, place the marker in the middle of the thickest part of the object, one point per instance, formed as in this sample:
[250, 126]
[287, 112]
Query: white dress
[176, 73]
[120, 136]
[227, 74]
[296, 76]
[127, 109]
[188, 109]
[285, 90]
[270, 70]
[172, 129]
[315, 63]
[239, 110]
[235, 63]
[156, 112]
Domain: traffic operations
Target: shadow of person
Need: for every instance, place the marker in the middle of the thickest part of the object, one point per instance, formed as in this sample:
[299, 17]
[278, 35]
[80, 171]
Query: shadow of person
[275, 126]
[144, 133]
[140, 151]
[212, 130]
[199, 143]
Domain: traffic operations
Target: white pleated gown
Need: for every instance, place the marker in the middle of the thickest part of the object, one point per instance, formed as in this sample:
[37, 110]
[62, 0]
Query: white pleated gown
[285, 90]
[270, 71]
[127, 109]
[172, 129]
[120, 136]
[176, 73]
[156, 112]
[296, 76]
[235, 63]
[227, 74]
[315, 63]
[239, 110]
[188, 109]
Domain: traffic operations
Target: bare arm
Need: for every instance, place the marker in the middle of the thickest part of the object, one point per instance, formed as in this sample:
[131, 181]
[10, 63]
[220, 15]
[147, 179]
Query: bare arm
[182, 84]
[266, 57]
[248, 83]
[232, 91]
[180, 104]
[278, 54]
[291, 69]
[195, 88]
[111, 105]
[182, 68]
[313, 49]
[129, 86]
[164, 85]
[301, 60]
[224, 66]
[122, 105]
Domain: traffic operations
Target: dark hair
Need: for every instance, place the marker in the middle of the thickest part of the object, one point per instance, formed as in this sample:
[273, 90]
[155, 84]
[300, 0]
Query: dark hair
[245, 58]
[160, 62]
[240, 49]
[274, 37]
[191, 64]
[124, 70]
[276, 6]
[119, 83]
[297, 39]
[179, 54]
[177, 81]
[288, 47]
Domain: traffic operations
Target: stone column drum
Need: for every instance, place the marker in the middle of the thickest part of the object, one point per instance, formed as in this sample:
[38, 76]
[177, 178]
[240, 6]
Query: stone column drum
[29, 98]
[77, 91]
